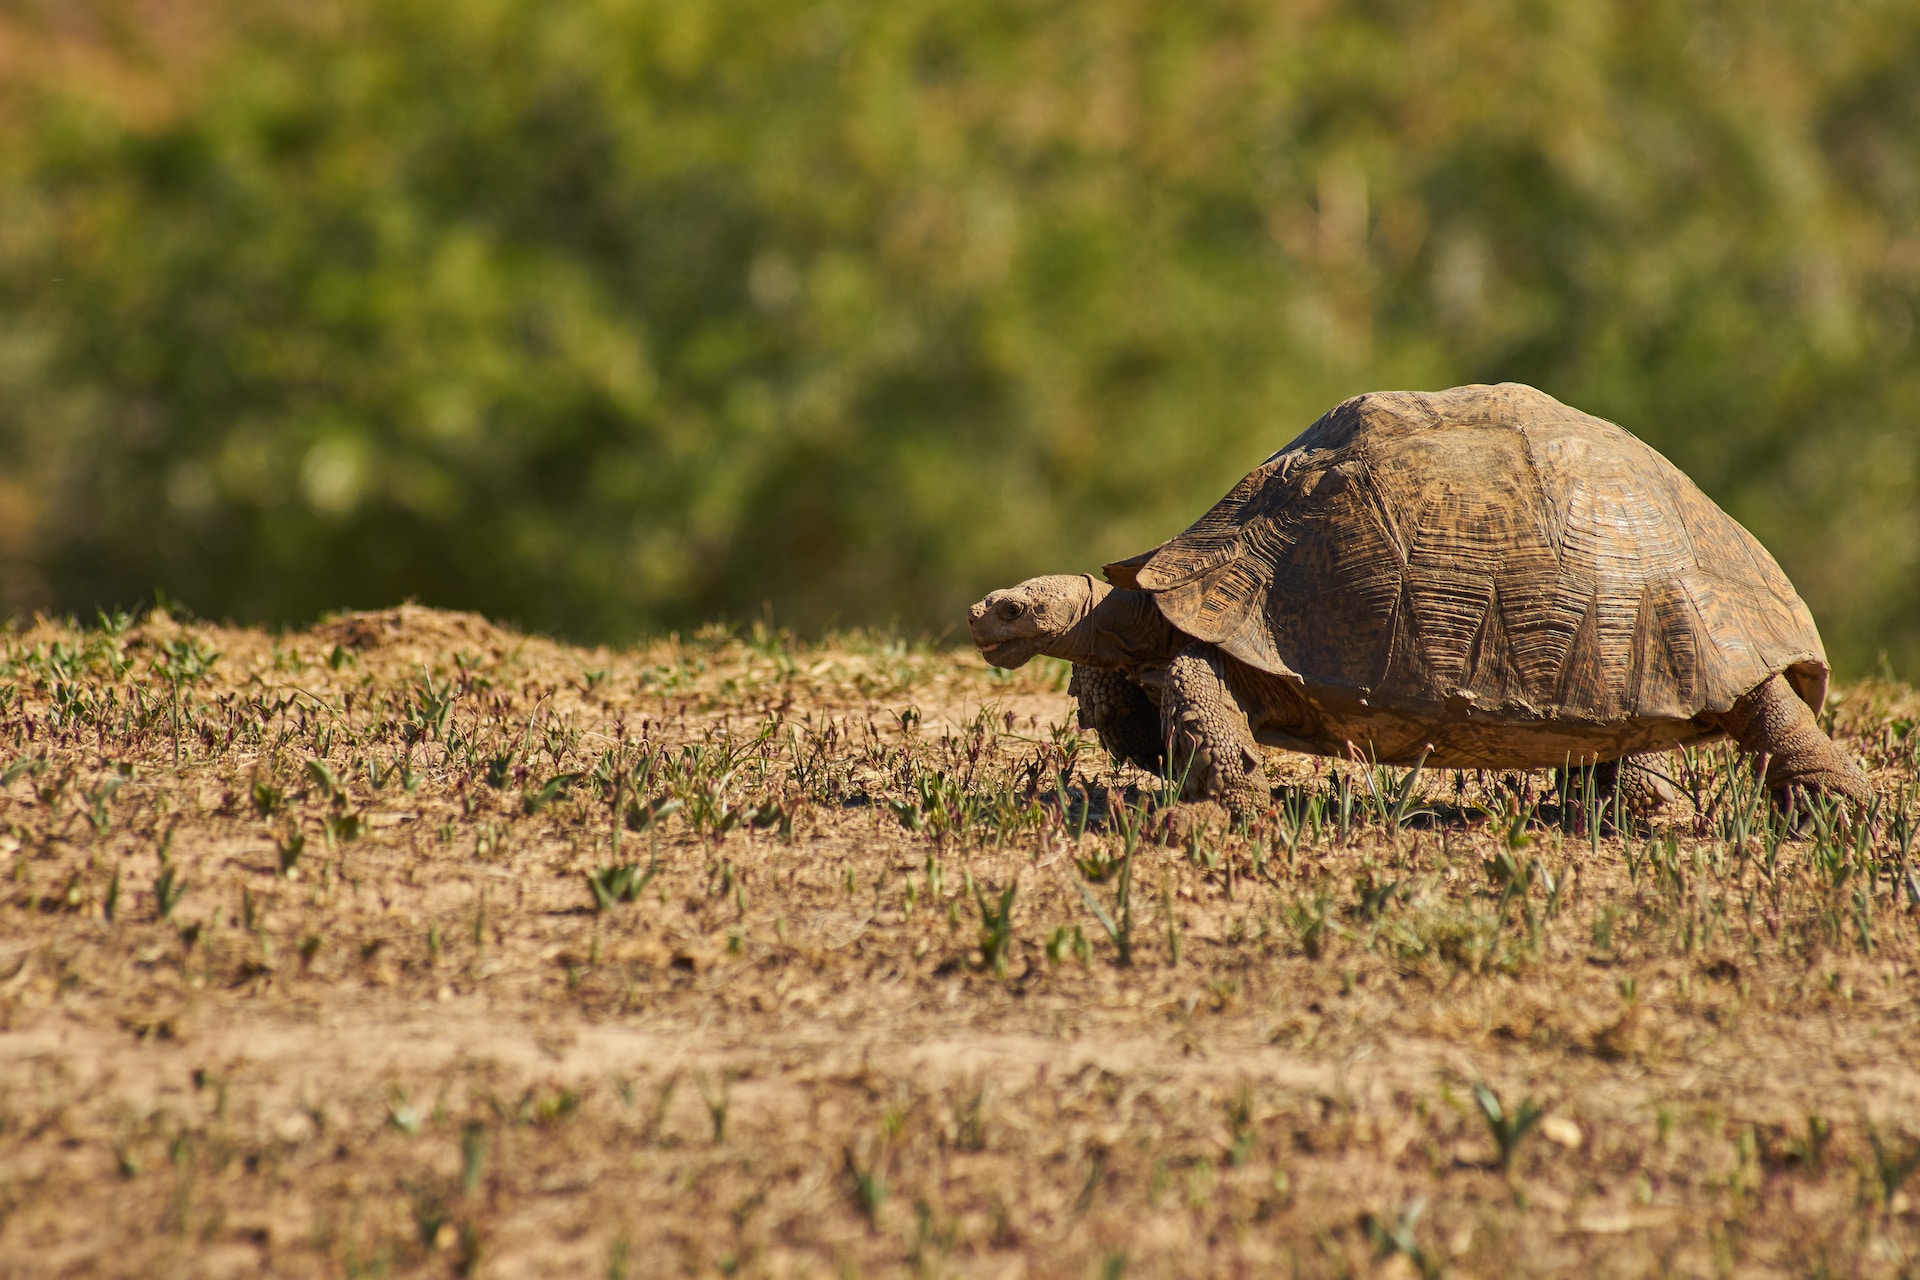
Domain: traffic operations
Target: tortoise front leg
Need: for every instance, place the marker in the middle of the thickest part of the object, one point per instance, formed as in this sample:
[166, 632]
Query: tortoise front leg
[1121, 713]
[1214, 754]
[1773, 720]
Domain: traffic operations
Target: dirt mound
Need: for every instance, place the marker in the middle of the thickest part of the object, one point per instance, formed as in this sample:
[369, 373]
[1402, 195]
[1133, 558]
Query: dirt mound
[412, 630]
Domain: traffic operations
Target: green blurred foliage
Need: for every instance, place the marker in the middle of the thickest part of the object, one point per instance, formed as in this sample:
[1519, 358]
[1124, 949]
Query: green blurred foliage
[619, 314]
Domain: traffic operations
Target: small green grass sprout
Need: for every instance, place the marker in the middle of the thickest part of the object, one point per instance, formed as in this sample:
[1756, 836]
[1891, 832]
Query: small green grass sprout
[614, 885]
[1508, 1130]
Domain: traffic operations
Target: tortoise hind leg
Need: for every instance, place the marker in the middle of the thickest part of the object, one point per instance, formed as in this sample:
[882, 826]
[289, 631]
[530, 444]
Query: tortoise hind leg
[1214, 754]
[1121, 714]
[1771, 720]
[1642, 786]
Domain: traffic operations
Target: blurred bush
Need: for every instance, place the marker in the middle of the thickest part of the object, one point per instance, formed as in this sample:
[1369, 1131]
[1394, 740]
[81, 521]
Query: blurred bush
[619, 314]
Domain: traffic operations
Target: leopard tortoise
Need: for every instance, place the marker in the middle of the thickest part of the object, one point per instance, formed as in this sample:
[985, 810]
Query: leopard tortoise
[1480, 578]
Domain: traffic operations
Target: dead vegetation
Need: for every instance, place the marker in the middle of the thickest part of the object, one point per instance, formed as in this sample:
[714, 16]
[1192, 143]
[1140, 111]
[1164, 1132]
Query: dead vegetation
[410, 946]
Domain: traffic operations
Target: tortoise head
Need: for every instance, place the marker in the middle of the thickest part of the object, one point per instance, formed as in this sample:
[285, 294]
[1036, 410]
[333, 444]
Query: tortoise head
[1037, 616]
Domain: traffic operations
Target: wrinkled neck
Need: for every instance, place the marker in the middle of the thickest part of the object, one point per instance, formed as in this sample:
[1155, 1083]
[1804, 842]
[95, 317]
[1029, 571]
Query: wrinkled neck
[1075, 642]
[1121, 629]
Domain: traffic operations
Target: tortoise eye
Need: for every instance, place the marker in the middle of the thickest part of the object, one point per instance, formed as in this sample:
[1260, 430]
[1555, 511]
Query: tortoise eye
[1011, 609]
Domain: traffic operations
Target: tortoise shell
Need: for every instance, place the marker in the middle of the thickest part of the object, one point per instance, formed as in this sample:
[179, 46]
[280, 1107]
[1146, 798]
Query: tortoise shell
[1485, 574]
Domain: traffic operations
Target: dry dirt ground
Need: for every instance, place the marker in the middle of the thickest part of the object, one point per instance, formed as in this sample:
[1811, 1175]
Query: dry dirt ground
[411, 946]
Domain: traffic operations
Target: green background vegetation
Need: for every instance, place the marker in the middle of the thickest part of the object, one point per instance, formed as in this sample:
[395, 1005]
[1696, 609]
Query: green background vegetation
[620, 314]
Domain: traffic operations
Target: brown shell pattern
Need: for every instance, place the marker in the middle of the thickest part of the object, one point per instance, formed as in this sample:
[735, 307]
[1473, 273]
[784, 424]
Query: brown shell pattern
[1491, 550]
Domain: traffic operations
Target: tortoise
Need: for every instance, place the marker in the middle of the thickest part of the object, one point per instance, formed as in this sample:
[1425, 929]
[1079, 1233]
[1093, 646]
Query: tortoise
[1476, 578]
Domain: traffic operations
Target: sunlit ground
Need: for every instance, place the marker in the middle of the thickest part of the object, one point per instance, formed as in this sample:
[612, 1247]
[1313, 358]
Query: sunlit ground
[411, 946]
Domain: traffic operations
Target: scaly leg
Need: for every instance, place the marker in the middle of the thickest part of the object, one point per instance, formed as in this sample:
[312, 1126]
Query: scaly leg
[1640, 782]
[1771, 719]
[1121, 713]
[1214, 754]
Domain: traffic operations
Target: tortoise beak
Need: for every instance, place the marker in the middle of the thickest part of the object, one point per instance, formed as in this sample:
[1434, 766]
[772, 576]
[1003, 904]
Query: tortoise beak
[1008, 654]
[989, 636]
[981, 621]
